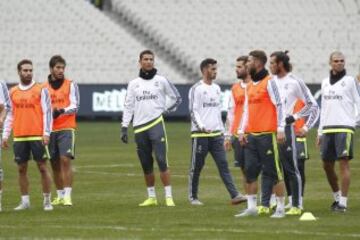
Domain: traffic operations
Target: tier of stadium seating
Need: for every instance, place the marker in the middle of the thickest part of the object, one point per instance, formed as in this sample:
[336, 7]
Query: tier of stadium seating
[96, 48]
[101, 50]
[310, 29]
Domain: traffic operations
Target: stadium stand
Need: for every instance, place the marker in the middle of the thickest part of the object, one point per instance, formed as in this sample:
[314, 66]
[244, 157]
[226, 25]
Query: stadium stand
[196, 29]
[103, 49]
[96, 48]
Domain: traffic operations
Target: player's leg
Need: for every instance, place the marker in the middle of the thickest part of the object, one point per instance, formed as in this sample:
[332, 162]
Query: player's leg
[56, 169]
[344, 148]
[41, 155]
[159, 142]
[328, 155]
[144, 151]
[22, 156]
[252, 168]
[66, 145]
[217, 151]
[272, 177]
[198, 154]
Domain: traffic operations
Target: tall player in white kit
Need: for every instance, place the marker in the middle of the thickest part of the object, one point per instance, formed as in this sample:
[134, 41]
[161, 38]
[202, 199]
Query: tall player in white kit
[146, 103]
[340, 101]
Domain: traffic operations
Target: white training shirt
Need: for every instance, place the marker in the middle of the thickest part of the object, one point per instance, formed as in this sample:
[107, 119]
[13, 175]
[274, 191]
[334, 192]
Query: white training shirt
[340, 103]
[46, 109]
[205, 107]
[293, 89]
[4, 96]
[146, 100]
[74, 98]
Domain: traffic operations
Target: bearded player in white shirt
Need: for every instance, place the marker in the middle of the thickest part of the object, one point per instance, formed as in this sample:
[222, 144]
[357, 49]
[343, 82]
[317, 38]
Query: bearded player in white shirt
[340, 101]
[146, 102]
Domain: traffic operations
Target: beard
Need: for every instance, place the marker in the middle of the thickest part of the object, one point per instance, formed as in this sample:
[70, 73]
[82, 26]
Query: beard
[25, 81]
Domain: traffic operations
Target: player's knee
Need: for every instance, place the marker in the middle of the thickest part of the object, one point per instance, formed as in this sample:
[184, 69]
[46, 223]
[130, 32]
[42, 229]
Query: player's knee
[147, 169]
[163, 167]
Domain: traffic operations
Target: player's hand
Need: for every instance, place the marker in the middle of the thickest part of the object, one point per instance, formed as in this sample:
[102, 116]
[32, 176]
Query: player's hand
[289, 120]
[57, 112]
[318, 141]
[243, 139]
[124, 135]
[46, 140]
[280, 137]
[205, 130]
[5, 143]
[301, 133]
[227, 144]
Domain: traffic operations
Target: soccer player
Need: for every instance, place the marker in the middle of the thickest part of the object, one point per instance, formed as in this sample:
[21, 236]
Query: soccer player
[207, 131]
[31, 122]
[291, 89]
[146, 102]
[302, 154]
[65, 100]
[263, 122]
[340, 101]
[5, 106]
[234, 113]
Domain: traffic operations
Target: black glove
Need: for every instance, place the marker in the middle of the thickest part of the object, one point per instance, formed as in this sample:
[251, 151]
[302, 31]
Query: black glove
[124, 135]
[58, 112]
[289, 120]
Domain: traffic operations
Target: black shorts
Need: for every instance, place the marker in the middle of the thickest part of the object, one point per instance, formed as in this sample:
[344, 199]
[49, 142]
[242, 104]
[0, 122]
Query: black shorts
[262, 155]
[239, 152]
[23, 149]
[151, 139]
[302, 148]
[62, 143]
[337, 145]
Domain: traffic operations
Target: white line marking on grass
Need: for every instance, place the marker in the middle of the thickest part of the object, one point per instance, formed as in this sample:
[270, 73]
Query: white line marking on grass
[107, 166]
[207, 230]
[140, 175]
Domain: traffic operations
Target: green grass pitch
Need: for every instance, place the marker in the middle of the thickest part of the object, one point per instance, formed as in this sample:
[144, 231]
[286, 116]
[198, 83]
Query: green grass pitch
[109, 185]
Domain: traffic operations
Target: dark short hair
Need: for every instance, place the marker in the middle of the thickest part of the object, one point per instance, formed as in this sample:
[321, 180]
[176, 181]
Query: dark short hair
[55, 60]
[147, 51]
[22, 62]
[335, 53]
[283, 57]
[242, 59]
[206, 62]
[260, 55]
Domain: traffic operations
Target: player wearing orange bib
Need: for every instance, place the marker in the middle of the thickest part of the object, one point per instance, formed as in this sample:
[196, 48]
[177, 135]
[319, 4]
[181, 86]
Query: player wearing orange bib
[65, 103]
[234, 114]
[31, 122]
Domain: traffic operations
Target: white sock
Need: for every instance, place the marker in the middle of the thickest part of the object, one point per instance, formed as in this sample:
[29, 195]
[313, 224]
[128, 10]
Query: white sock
[337, 196]
[47, 197]
[60, 193]
[343, 201]
[67, 191]
[151, 192]
[251, 201]
[25, 199]
[280, 203]
[168, 193]
[272, 200]
[301, 203]
[290, 199]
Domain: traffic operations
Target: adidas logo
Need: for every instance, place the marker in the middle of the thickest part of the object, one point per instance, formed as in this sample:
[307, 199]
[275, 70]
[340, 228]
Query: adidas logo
[345, 152]
[269, 152]
[69, 151]
[302, 154]
[163, 139]
[288, 149]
